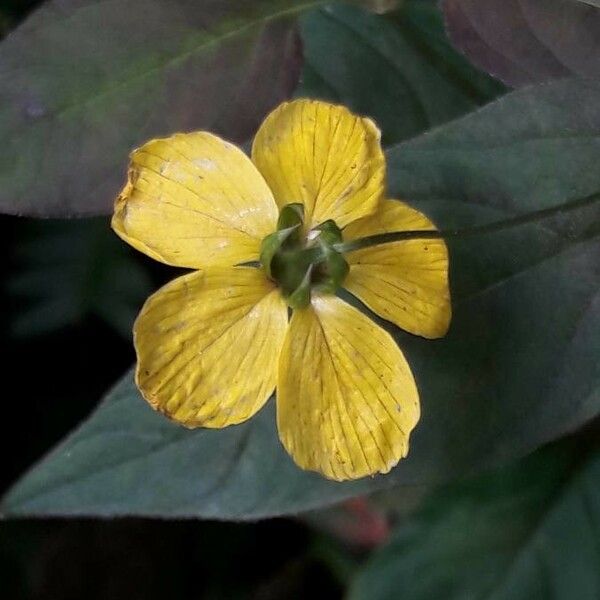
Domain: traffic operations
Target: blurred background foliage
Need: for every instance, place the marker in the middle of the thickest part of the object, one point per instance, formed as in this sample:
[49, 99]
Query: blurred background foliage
[69, 293]
[67, 271]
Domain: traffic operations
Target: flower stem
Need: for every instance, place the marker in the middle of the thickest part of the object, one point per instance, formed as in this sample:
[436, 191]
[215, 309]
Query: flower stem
[532, 217]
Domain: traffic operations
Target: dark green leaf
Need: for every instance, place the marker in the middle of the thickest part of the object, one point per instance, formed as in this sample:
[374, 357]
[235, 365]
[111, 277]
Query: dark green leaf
[399, 69]
[519, 367]
[128, 459]
[522, 360]
[82, 82]
[528, 531]
[527, 41]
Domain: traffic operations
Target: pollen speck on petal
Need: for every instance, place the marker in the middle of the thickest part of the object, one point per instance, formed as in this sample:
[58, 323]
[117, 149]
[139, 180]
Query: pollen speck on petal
[341, 380]
[191, 203]
[324, 156]
[404, 282]
[208, 345]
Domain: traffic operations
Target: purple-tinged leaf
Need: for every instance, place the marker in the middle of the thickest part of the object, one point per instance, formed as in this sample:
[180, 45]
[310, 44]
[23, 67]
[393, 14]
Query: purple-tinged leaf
[527, 41]
[82, 82]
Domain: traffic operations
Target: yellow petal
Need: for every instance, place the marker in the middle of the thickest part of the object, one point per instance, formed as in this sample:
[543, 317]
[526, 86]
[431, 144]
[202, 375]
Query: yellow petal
[346, 398]
[323, 156]
[208, 344]
[194, 200]
[404, 282]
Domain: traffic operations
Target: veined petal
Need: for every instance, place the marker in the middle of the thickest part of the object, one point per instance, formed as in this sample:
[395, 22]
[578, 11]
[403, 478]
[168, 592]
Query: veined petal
[207, 346]
[194, 200]
[323, 156]
[404, 282]
[346, 398]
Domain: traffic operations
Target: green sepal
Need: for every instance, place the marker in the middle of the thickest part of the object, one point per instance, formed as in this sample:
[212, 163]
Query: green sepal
[290, 215]
[333, 269]
[271, 245]
[300, 297]
[330, 233]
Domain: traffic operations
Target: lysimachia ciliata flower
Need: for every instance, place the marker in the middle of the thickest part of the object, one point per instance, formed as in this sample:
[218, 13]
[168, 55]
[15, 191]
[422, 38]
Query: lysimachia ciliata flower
[264, 236]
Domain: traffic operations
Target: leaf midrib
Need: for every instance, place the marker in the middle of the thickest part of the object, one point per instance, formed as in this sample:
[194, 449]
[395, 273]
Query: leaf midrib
[481, 145]
[173, 61]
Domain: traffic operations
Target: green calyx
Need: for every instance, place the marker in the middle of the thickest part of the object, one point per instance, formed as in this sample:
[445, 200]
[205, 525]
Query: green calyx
[298, 262]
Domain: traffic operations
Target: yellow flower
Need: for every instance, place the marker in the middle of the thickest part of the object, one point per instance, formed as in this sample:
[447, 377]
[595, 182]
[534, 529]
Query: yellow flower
[212, 345]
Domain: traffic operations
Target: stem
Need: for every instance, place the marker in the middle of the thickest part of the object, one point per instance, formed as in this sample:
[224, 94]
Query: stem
[400, 236]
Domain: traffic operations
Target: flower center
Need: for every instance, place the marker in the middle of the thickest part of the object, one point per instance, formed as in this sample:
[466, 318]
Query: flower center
[300, 262]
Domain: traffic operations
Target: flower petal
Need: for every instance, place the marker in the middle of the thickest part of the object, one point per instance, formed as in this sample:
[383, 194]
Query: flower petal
[194, 200]
[346, 398]
[323, 156]
[208, 344]
[404, 282]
